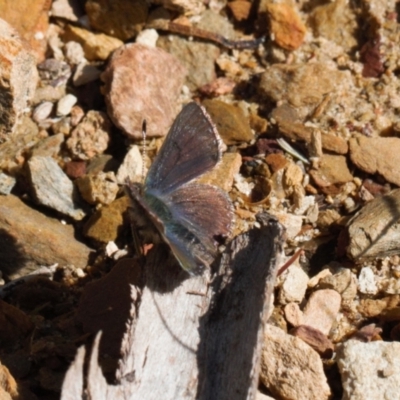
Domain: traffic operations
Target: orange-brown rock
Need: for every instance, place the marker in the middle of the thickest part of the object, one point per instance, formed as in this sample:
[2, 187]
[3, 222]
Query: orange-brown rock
[240, 9]
[31, 19]
[286, 26]
[377, 155]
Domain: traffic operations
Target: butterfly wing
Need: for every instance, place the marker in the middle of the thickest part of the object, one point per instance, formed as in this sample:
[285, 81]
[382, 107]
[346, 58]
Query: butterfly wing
[189, 216]
[199, 215]
[203, 209]
[192, 255]
[191, 148]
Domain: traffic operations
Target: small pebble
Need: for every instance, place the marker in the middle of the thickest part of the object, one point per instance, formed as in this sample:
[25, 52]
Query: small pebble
[61, 125]
[42, 111]
[314, 338]
[75, 169]
[366, 281]
[148, 37]
[111, 248]
[349, 204]
[90, 137]
[79, 273]
[74, 52]
[322, 309]
[101, 188]
[314, 281]
[132, 167]
[344, 282]
[242, 185]
[293, 314]
[54, 72]
[65, 9]
[154, 98]
[49, 146]
[294, 286]
[65, 104]
[77, 115]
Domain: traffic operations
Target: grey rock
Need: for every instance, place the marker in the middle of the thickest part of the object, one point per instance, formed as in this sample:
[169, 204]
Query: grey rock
[367, 282]
[52, 187]
[214, 22]
[344, 282]
[61, 126]
[54, 72]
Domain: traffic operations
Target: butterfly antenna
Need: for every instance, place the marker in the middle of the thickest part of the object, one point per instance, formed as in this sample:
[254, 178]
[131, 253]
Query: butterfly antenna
[144, 133]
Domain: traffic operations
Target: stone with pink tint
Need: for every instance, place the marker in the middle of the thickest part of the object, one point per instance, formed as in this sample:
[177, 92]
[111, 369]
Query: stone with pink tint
[322, 309]
[290, 368]
[143, 83]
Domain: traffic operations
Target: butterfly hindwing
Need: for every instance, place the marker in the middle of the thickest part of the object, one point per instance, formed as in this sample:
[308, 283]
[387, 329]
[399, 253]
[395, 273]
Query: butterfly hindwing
[190, 252]
[193, 229]
[197, 206]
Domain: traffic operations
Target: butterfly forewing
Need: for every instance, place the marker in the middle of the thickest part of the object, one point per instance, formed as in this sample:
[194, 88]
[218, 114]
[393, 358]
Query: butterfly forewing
[191, 148]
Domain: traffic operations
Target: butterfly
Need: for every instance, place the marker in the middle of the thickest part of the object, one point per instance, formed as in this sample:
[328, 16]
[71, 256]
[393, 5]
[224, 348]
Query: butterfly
[190, 217]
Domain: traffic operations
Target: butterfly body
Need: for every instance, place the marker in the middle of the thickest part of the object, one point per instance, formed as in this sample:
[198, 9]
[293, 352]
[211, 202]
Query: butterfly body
[189, 216]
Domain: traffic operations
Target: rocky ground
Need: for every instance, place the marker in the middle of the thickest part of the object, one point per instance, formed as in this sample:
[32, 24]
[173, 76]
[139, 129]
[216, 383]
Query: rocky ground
[311, 121]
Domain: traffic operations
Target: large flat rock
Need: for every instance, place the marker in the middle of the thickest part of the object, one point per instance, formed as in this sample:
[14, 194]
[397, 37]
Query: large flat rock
[30, 239]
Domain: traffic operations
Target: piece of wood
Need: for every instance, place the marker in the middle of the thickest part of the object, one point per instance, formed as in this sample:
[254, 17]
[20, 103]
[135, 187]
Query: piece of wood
[195, 337]
[233, 326]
